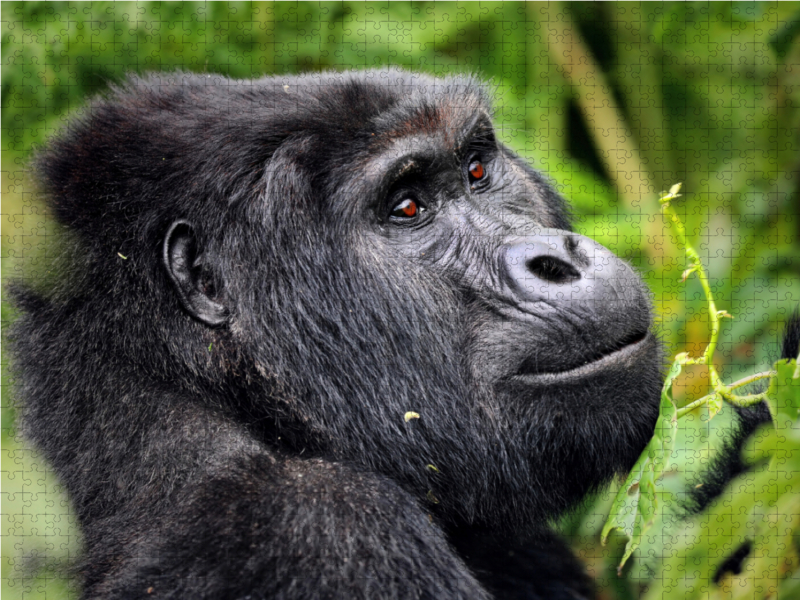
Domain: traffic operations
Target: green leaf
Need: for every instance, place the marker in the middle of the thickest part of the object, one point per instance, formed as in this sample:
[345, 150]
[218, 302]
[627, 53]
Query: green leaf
[624, 509]
[634, 507]
[783, 395]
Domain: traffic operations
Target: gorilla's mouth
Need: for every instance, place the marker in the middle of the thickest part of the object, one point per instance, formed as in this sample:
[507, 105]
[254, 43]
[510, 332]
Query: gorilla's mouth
[625, 354]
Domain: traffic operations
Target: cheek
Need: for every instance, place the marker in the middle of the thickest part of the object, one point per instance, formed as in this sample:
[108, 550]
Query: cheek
[492, 349]
[406, 248]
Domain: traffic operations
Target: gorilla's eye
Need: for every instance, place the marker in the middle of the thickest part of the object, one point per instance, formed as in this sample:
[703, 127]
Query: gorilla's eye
[476, 171]
[406, 209]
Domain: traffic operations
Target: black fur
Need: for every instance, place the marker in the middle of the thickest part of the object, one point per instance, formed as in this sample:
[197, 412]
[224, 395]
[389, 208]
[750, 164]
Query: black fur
[222, 376]
[791, 337]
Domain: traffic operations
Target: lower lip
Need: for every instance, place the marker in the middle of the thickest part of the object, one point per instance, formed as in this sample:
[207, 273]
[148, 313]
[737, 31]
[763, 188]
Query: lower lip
[618, 361]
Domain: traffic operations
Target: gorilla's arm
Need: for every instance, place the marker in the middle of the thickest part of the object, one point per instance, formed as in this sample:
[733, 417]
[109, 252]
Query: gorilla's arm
[254, 524]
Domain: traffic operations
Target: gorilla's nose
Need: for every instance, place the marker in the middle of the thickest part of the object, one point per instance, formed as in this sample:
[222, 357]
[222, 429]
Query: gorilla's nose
[560, 266]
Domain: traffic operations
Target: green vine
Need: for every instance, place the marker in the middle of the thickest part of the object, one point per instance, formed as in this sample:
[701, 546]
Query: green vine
[720, 390]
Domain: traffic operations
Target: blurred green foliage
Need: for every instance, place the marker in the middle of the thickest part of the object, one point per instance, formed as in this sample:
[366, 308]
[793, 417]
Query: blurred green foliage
[616, 102]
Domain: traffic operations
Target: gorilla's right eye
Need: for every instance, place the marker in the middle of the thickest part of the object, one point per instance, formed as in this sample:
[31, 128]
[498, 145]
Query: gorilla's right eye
[407, 208]
[476, 171]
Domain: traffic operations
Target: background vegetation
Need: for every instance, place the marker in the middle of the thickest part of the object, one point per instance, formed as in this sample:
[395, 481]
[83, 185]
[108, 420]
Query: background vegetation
[616, 102]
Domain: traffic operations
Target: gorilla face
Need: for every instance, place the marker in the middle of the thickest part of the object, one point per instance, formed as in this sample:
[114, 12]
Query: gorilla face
[321, 258]
[402, 259]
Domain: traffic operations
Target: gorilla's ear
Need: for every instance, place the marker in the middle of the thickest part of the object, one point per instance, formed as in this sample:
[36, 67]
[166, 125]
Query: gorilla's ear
[184, 263]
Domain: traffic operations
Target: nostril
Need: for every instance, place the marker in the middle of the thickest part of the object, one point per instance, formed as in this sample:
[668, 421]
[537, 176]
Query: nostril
[550, 268]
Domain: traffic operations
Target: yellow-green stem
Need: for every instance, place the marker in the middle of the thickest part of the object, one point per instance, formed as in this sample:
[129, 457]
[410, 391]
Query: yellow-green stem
[696, 266]
[707, 359]
[748, 400]
[751, 379]
[690, 407]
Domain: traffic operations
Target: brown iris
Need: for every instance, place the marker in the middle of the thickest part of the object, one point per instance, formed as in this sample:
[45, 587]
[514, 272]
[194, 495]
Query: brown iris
[405, 209]
[476, 170]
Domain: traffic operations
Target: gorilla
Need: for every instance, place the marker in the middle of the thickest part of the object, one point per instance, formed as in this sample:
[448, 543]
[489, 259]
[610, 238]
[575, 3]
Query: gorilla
[324, 336]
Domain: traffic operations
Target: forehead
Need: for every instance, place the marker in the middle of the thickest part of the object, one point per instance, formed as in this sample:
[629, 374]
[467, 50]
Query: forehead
[443, 111]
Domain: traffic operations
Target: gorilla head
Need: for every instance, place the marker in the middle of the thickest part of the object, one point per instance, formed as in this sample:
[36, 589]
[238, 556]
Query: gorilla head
[310, 259]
